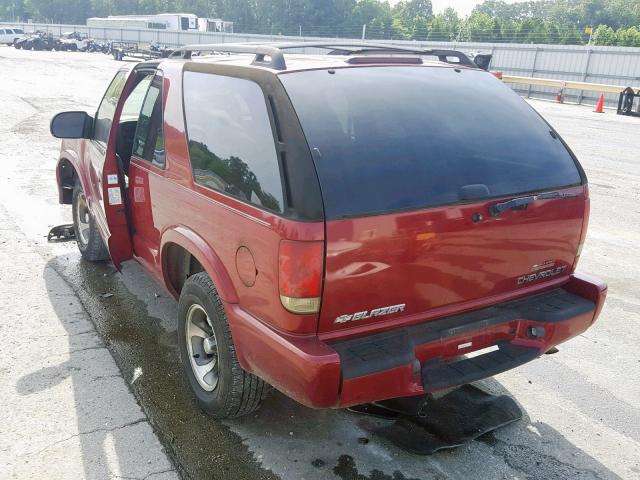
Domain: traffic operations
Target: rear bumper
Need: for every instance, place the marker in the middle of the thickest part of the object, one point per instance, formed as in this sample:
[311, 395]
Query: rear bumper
[419, 358]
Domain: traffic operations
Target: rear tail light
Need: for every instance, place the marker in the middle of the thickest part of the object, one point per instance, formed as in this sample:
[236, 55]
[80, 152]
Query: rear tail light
[300, 275]
[585, 224]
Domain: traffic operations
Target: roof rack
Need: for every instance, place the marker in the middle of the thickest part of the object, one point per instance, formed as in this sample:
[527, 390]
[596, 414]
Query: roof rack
[276, 56]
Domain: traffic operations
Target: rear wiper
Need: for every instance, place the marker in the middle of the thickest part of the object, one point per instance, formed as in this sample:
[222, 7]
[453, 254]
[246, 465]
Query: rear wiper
[522, 202]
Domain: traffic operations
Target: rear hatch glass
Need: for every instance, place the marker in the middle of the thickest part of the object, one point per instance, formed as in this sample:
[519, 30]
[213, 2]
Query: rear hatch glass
[408, 159]
[386, 139]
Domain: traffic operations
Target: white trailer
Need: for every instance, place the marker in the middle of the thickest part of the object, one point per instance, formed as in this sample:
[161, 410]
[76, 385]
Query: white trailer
[178, 21]
[117, 22]
[214, 25]
[162, 21]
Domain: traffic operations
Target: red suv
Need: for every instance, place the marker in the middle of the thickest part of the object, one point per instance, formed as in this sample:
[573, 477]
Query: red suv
[344, 227]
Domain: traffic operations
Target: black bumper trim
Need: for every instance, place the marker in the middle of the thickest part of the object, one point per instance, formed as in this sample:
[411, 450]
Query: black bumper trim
[439, 374]
[395, 348]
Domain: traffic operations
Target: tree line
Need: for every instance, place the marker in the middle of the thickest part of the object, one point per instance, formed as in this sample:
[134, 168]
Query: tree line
[614, 22]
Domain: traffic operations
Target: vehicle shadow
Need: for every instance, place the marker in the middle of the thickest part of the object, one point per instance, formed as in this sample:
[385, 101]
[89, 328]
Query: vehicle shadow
[290, 440]
[145, 351]
[524, 449]
[110, 429]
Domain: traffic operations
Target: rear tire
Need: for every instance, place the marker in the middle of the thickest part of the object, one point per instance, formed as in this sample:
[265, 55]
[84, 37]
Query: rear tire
[206, 345]
[89, 241]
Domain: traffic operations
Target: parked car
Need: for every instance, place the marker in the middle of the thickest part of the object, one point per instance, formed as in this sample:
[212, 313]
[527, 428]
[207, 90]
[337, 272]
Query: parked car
[375, 223]
[10, 35]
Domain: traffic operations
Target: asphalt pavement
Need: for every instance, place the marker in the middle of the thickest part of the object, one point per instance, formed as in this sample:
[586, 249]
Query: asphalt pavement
[91, 384]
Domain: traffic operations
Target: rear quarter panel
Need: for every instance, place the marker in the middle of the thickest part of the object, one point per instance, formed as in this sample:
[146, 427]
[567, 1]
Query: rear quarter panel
[224, 224]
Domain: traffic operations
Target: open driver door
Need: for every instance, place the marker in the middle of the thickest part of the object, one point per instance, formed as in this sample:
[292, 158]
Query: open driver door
[115, 208]
[117, 236]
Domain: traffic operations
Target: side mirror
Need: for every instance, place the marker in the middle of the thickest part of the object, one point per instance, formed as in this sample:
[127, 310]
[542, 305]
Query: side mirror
[482, 61]
[71, 125]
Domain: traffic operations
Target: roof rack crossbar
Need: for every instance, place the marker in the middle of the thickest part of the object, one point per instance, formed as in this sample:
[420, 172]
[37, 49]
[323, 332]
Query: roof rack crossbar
[276, 56]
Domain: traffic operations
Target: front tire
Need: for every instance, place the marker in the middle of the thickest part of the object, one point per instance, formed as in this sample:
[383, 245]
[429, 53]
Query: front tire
[88, 238]
[221, 387]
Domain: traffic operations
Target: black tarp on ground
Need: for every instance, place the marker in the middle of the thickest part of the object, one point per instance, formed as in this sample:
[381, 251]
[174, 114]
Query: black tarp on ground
[450, 421]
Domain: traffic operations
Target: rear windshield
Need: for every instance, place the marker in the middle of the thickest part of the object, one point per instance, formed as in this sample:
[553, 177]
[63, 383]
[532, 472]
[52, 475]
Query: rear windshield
[387, 139]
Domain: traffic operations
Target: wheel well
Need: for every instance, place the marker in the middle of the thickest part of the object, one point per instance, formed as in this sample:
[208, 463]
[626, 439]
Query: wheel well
[179, 264]
[67, 175]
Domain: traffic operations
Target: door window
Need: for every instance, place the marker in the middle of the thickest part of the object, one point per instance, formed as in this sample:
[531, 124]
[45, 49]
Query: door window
[231, 143]
[148, 142]
[133, 103]
[107, 108]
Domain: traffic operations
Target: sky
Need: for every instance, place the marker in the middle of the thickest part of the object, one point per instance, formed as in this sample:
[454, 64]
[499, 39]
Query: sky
[463, 7]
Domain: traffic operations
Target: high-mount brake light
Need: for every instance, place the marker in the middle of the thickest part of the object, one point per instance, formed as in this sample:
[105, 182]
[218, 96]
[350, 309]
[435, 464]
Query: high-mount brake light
[300, 275]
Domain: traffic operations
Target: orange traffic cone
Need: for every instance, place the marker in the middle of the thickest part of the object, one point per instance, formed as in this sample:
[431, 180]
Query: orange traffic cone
[600, 106]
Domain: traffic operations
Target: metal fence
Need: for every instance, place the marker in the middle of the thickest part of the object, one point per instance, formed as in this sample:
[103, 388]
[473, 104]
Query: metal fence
[596, 64]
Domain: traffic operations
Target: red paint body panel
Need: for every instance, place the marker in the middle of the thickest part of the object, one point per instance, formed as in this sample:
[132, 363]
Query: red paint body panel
[300, 366]
[590, 287]
[437, 261]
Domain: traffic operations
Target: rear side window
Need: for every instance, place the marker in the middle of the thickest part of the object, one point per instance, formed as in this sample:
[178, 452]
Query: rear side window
[231, 143]
[388, 139]
[17, 30]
